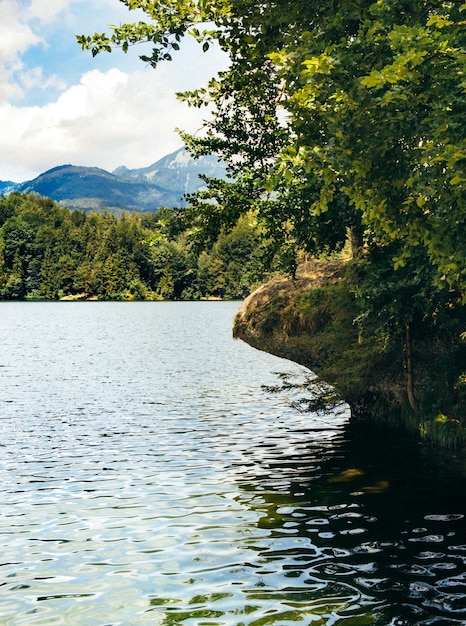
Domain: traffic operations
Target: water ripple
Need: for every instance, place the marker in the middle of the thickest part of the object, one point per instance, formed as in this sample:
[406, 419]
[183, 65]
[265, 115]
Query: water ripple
[153, 482]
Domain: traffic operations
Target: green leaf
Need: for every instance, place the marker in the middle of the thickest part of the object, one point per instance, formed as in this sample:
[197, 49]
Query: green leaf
[375, 79]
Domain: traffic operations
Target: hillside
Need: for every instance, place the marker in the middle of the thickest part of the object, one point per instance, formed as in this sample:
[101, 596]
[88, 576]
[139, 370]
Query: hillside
[162, 184]
[6, 186]
[177, 172]
[313, 320]
[90, 188]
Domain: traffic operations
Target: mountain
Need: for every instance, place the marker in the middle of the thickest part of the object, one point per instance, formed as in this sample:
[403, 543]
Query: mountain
[7, 186]
[176, 172]
[162, 184]
[91, 188]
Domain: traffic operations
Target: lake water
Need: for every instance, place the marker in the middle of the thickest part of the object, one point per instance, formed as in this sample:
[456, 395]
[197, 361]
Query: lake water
[149, 477]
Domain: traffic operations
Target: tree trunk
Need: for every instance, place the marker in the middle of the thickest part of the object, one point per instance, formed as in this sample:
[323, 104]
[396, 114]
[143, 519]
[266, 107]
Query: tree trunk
[409, 371]
[355, 243]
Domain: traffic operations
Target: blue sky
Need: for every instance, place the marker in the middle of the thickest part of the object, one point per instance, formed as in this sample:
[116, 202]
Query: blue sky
[60, 105]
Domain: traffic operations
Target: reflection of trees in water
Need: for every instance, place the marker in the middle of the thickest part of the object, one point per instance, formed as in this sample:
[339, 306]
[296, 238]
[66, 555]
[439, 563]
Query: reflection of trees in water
[365, 510]
[319, 397]
[342, 523]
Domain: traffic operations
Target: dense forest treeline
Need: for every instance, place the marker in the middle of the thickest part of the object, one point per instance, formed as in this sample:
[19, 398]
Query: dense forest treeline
[48, 252]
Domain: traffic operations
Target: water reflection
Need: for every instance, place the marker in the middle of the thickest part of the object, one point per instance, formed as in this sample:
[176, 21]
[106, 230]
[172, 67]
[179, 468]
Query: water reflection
[379, 535]
[147, 485]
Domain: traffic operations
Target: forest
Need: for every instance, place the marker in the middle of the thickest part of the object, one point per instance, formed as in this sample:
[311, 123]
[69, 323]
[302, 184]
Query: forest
[48, 252]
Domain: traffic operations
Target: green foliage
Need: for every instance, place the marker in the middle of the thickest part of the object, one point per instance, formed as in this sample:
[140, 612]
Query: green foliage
[339, 119]
[374, 101]
[361, 351]
[376, 95]
[363, 103]
[449, 432]
[234, 263]
[48, 252]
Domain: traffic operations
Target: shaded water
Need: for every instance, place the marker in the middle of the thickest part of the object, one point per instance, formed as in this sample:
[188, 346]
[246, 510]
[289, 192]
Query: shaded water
[147, 477]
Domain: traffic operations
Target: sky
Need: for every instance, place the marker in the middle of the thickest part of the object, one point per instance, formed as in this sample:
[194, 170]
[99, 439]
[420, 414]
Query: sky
[59, 105]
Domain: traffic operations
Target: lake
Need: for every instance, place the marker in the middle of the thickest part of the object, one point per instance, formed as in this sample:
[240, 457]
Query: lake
[149, 475]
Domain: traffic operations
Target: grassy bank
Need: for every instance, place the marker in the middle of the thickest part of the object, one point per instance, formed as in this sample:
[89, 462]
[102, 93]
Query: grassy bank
[314, 320]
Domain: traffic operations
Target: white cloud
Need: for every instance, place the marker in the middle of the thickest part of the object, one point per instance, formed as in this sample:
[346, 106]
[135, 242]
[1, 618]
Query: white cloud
[15, 38]
[34, 78]
[45, 10]
[108, 119]
[76, 109]
[17, 35]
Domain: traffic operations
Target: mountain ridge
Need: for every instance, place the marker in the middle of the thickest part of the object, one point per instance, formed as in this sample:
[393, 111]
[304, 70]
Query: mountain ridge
[147, 189]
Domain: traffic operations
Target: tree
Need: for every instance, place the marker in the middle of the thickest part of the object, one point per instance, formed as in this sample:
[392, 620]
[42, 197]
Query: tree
[336, 118]
[232, 267]
[247, 130]
[374, 96]
[377, 102]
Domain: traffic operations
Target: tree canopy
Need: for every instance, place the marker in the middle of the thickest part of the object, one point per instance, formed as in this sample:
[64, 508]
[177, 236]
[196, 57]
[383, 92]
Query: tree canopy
[48, 252]
[332, 115]
[336, 119]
